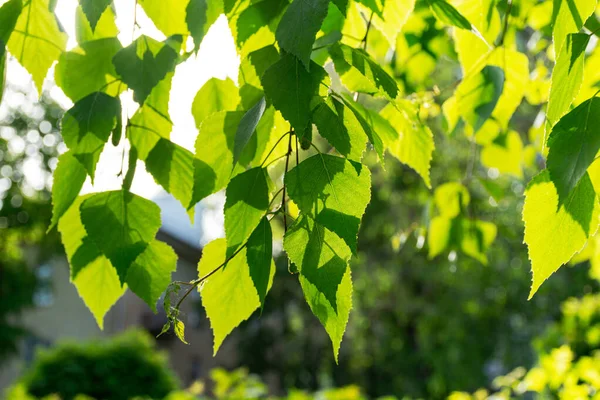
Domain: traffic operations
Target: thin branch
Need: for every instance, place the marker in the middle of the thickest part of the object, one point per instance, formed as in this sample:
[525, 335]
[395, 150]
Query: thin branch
[505, 27]
[287, 164]
[364, 39]
[273, 148]
[194, 284]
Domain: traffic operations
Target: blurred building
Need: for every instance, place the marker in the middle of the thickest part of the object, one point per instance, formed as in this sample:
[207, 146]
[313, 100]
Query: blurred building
[61, 315]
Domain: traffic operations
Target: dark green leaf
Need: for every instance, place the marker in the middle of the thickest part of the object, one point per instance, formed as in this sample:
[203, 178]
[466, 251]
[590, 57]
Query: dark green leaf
[341, 128]
[259, 255]
[87, 126]
[446, 13]
[574, 143]
[298, 28]
[9, 14]
[200, 15]
[93, 9]
[246, 128]
[143, 64]
[348, 59]
[121, 224]
[257, 15]
[291, 88]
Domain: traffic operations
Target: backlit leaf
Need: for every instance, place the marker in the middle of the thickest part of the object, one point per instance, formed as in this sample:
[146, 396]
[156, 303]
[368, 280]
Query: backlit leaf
[37, 40]
[246, 202]
[334, 191]
[555, 231]
[322, 260]
[228, 295]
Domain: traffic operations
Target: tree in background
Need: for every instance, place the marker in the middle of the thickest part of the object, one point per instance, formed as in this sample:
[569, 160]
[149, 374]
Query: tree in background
[29, 143]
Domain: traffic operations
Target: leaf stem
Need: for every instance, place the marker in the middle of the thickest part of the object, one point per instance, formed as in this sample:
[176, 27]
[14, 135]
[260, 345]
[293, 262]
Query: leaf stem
[194, 284]
[505, 27]
[364, 39]
[287, 164]
[274, 146]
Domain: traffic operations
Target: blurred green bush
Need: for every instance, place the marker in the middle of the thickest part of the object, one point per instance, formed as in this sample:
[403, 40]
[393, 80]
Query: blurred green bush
[125, 367]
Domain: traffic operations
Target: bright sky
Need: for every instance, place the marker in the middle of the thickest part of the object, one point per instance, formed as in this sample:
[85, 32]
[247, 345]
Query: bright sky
[217, 58]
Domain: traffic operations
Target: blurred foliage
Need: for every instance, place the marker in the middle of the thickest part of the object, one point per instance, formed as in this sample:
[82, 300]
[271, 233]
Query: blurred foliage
[125, 367]
[29, 145]
[568, 365]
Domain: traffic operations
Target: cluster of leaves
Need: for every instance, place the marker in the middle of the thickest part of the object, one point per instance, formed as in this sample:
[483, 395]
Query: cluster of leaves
[287, 143]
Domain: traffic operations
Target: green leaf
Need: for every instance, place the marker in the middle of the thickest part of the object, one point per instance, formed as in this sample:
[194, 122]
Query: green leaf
[322, 260]
[92, 274]
[334, 191]
[341, 128]
[394, 16]
[200, 15]
[228, 296]
[150, 273]
[69, 178]
[451, 199]
[298, 28]
[348, 59]
[505, 154]
[88, 69]
[447, 14]
[93, 10]
[246, 202]
[9, 15]
[574, 143]
[179, 328]
[371, 123]
[121, 225]
[214, 153]
[247, 127]
[143, 64]
[259, 255]
[105, 27]
[214, 96]
[251, 69]
[151, 121]
[555, 231]
[472, 237]
[291, 88]
[567, 76]
[87, 126]
[568, 16]
[173, 168]
[477, 96]
[256, 16]
[169, 17]
[37, 40]
[413, 141]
